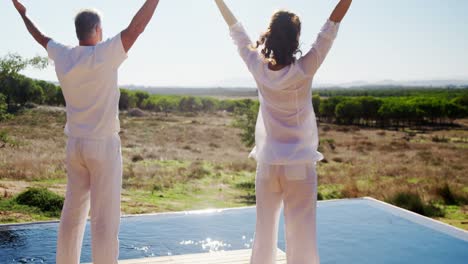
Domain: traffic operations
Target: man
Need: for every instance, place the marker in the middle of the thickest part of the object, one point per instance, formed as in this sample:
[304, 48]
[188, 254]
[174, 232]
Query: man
[88, 77]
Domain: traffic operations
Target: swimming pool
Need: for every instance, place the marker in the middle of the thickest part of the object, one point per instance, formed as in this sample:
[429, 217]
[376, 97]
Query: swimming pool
[349, 231]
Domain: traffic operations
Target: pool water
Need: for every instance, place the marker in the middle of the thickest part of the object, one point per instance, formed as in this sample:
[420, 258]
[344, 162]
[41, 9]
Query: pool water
[349, 231]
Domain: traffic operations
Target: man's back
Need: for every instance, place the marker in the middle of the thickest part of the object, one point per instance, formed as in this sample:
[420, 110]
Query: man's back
[88, 76]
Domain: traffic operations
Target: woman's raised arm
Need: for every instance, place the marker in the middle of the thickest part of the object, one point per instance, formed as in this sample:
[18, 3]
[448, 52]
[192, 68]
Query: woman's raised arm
[340, 11]
[227, 14]
[312, 61]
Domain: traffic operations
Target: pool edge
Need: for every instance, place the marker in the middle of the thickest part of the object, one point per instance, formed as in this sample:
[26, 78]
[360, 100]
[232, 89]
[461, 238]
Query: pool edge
[401, 212]
[420, 219]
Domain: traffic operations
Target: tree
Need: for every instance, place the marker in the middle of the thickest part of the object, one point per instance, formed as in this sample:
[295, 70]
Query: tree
[209, 104]
[12, 64]
[327, 107]
[428, 107]
[455, 111]
[246, 119]
[398, 111]
[127, 100]
[228, 105]
[190, 104]
[3, 108]
[348, 111]
[316, 104]
[462, 102]
[166, 104]
[16, 88]
[29, 91]
[141, 96]
[370, 108]
[51, 92]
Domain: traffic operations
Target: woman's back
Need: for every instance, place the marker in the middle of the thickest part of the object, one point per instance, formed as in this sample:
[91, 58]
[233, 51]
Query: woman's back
[286, 130]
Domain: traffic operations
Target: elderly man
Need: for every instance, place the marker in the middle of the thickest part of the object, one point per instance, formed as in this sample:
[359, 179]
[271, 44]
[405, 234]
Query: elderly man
[88, 77]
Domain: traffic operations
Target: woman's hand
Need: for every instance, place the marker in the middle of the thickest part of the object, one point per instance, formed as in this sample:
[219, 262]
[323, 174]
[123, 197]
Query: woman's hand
[20, 7]
[227, 14]
[340, 11]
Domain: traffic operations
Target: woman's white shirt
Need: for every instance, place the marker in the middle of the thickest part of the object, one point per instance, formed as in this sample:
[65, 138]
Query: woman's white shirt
[286, 130]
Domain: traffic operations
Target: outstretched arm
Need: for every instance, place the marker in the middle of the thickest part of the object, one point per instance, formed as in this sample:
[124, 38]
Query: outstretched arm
[240, 37]
[312, 61]
[227, 14]
[340, 11]
[33, 30]
[138, 24]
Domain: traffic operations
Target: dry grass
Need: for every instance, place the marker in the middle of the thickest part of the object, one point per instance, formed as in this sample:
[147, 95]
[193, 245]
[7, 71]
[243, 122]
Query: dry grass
[189, 162]
[383, 164]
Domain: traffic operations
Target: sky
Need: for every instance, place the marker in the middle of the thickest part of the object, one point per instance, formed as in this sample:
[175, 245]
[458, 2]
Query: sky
[187, 43]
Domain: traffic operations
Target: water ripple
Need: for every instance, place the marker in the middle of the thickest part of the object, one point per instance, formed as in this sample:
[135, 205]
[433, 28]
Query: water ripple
[207, 244]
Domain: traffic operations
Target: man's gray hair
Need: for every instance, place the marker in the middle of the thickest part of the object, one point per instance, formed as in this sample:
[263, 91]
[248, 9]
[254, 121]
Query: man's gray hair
[85, 22]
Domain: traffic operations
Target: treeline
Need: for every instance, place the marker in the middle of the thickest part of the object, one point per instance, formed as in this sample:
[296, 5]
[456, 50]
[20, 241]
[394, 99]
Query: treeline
[393, 91]
[16, 90]
[391, 111]
[387, 112]
[176, 103]
[383, 107]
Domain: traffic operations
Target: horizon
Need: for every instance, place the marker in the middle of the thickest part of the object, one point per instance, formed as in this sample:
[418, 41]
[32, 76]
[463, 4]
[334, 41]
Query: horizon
[429, 84]
[370, 35]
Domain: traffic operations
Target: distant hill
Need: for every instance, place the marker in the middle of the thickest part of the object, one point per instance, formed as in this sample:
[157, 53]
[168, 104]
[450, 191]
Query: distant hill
[414, 83]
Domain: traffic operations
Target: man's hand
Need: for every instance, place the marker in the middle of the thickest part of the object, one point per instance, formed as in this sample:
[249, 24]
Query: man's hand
[20, 7]
[33, 30]
[138, 24]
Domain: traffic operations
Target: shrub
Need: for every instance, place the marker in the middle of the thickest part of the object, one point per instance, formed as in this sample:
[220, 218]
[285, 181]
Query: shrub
[3, 108]
[137, 158]
[319, 196]
[127, 100]
[351, 190]
[197, 171]
[136, 112]
[449, 196]
[5, 140]
[413, 202]
[246, 185]
[41, 198]
[246, 119]
[329, 194]
[438, 139]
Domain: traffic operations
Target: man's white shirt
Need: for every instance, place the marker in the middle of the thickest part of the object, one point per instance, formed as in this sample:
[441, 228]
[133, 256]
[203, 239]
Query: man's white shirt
[88, 76]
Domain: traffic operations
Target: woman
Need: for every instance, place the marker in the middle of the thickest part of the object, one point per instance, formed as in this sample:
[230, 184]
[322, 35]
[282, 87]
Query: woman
[286, 135]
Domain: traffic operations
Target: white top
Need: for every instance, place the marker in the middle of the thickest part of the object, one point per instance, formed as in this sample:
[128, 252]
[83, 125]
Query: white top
[88, 77]
[286, 129]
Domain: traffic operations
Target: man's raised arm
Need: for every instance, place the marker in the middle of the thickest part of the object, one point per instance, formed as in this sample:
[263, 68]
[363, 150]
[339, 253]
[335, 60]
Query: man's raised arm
[340, 11]
[138, 24]
[33, 30]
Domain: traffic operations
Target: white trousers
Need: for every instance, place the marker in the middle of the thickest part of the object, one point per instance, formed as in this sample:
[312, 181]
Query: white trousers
[94, 169]
[296, 187]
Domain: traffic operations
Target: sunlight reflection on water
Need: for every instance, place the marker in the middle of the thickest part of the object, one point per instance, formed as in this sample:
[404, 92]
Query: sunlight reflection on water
[344, 226]
[208, 244]
[146, 250]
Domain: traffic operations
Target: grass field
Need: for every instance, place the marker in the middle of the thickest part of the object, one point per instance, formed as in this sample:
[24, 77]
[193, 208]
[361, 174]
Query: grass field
[180, 162]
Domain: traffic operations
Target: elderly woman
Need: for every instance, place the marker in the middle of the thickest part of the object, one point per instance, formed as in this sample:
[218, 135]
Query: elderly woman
[286, 135]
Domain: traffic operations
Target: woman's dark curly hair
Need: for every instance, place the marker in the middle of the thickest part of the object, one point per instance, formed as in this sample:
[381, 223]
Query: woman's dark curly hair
[280, 43]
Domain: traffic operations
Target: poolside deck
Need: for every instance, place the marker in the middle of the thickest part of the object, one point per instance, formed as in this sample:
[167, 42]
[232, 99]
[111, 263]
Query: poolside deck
[225, 257]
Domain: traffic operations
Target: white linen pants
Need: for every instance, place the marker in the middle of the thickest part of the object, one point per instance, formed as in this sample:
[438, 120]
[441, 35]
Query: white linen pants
[296, 187]
[94, 169]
